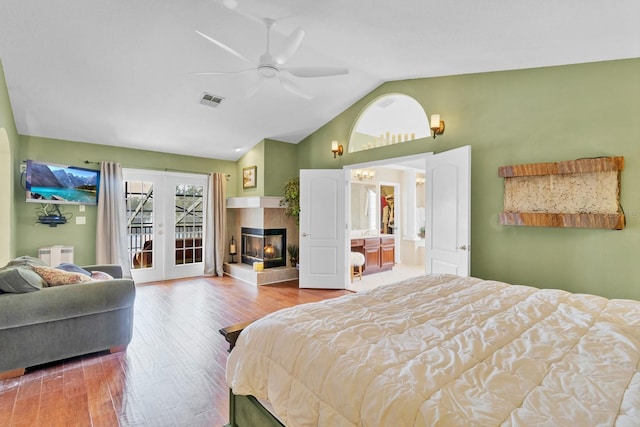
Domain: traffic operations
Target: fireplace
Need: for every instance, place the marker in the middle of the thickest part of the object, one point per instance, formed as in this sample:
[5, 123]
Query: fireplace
[266, 246]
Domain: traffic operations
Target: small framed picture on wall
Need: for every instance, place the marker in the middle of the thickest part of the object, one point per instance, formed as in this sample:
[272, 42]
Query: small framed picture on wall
[249, 177]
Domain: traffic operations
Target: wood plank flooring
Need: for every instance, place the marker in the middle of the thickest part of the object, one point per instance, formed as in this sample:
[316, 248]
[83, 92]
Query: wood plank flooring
[172, 373]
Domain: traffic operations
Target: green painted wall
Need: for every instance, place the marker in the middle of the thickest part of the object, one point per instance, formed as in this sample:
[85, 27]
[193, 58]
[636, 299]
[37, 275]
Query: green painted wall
[33, 236]
[276, 161]
[526, 116]
[8, 155]
[253, 157]
[281, 163]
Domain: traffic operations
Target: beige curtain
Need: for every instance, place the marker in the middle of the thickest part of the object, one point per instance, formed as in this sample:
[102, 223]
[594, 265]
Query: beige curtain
[216, 214]
[111, 229]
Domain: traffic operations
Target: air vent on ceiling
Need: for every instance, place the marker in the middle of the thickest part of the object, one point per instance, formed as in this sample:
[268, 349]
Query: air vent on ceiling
[211, 100]
[386, 101]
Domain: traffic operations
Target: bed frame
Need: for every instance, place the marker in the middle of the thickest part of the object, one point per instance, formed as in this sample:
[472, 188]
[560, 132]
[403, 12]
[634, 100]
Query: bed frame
[245, 411]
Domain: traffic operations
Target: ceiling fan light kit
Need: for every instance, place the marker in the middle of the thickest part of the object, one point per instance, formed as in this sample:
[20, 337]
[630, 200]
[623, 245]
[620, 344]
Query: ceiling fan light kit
[272, 66]
[265, 69]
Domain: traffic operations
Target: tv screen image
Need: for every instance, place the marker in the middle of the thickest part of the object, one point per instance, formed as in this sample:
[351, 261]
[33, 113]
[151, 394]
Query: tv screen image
[52, 183]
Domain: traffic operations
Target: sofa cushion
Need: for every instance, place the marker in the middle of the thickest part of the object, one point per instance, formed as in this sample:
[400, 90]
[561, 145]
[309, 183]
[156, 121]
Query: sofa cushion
[19, 280]
[57, 277]
[66, 266]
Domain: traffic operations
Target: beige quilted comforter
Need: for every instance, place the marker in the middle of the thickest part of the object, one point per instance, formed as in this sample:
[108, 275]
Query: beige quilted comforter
[450, 351]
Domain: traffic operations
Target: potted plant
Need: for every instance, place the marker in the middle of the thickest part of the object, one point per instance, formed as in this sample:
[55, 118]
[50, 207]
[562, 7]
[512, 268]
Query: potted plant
[292, 250]
[291, 200]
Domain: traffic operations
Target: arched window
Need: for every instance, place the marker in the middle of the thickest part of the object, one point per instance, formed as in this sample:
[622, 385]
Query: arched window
[390, 119]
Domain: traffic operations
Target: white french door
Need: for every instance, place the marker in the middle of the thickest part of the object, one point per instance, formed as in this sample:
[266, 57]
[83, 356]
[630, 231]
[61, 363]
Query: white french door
[165, 222]
[323, 220]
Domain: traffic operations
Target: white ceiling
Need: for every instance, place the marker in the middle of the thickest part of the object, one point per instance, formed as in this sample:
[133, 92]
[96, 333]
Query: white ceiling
[120, 72]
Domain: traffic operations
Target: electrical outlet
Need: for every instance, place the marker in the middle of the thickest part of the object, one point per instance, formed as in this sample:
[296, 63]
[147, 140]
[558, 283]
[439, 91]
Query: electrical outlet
[81, 208]
[23, 167]
[81, 220]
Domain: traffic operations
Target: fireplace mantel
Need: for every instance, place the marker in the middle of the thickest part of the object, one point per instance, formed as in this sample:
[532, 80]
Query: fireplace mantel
[254, 202]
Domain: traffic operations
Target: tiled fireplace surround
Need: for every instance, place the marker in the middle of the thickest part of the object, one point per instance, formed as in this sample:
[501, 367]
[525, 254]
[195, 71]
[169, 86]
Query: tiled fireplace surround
[265, 213]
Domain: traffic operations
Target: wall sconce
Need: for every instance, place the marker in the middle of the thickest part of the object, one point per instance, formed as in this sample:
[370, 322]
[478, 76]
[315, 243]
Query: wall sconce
[420, 181]
[437, 125]
[364, 174]
[336, 149]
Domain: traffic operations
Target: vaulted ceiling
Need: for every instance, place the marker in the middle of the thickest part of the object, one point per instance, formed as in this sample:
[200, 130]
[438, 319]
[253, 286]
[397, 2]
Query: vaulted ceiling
[123, 72]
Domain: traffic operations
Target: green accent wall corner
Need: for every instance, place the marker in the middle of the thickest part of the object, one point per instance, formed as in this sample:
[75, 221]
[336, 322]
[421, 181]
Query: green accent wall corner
[281, 163]
[253, 157]
[276, 161]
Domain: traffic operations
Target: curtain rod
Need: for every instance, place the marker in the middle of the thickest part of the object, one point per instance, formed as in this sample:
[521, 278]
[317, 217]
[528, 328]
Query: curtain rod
[89, 162]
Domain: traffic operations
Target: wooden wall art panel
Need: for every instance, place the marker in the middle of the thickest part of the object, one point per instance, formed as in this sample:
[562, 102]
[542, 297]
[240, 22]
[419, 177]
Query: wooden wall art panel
[581, 193]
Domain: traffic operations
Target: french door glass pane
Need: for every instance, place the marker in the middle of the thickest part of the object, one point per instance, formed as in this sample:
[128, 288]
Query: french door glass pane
[188, 220]
[139, 200]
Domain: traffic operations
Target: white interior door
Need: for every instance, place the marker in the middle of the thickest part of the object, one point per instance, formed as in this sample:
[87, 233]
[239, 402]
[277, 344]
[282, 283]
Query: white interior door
[448, 215]
[165, 214]
[323, 229]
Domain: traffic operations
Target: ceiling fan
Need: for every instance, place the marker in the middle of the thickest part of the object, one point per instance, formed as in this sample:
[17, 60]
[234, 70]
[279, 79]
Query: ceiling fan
[272, 66]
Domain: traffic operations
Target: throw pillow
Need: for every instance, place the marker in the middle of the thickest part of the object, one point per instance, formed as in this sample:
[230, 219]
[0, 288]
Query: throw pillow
[101, 275]
[56, 277]
[66, 266]
[19, 280]
[24, 261]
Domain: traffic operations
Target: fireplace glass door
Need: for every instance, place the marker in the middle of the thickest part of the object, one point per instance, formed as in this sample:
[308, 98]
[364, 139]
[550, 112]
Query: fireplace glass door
[266, 246]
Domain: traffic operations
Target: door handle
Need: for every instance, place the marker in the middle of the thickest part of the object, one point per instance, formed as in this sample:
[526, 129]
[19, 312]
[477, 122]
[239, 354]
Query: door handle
[304, 235]
[464, 248]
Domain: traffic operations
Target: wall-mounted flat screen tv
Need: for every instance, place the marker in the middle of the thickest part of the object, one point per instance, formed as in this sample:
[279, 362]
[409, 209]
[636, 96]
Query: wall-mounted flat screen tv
[52, 183]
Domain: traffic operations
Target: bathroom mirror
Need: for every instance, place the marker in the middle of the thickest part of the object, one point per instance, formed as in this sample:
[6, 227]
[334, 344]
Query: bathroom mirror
[364, 209]
[387, 209]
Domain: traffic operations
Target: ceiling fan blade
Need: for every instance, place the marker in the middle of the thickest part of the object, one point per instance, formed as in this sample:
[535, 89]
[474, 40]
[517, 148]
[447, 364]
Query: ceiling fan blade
[207, 73]
[316, 71]
[230, 4]
[225, 47]
[290, 46]
[291, 87]
[253, 89]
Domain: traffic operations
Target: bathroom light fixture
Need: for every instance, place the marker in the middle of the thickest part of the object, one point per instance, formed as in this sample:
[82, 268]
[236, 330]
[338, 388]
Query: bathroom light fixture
[437, 125]
[364, 174]
[336, 149]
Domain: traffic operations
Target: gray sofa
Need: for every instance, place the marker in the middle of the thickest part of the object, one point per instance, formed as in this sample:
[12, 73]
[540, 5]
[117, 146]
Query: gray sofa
[55, 323]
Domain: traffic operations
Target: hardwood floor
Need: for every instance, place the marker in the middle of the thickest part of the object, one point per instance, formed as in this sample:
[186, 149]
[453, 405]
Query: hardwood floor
[172, 373]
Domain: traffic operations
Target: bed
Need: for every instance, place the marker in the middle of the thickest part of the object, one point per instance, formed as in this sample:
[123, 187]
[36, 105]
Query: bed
[441, 350]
